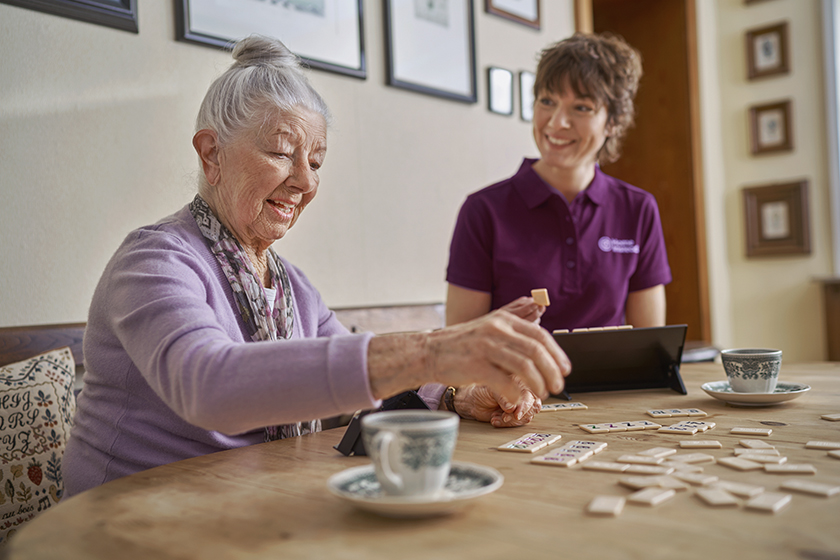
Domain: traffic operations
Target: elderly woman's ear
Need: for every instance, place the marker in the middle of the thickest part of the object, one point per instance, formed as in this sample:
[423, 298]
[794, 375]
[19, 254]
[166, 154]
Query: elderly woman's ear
[206, 144]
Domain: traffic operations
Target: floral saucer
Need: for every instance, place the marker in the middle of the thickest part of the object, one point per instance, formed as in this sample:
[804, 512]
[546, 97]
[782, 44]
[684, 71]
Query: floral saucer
[466, 482]
[784, 392]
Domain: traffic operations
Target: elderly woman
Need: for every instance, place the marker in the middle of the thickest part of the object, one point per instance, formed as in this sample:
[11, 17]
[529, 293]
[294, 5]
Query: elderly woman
[201, 338]
[561, 223]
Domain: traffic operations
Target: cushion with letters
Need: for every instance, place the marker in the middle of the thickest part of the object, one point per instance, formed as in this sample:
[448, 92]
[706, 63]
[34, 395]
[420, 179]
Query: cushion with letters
[37, 404]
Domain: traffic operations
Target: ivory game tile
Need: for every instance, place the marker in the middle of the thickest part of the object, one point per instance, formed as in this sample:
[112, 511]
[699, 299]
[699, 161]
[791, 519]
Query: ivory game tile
[651, 496]
[827, 445]
[717, 497]
[810, 487]
[739, 464]
[698, 479]
[739, 488]
[791, 468]
[693, 458]
[756, 444]
[701, 444]
[648, 469]
[640, 459]
[657, 452]
[772, 502]
[751, 431]
[764, 459]
[606, 505]
[748, 451]
[605, 466]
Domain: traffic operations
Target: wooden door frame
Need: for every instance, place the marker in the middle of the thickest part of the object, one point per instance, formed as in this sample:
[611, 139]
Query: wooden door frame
[584, 23]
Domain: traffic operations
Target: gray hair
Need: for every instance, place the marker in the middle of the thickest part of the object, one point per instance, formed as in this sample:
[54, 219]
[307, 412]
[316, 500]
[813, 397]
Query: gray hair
[265, 76]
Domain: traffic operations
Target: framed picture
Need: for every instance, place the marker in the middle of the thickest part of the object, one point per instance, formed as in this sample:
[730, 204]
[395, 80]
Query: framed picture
[119, 14]
[770, 128]
[767, 51]
[327, 35]
[500, 91]
[526, 95]
[776, 218]
[430, 47]
[526, 12]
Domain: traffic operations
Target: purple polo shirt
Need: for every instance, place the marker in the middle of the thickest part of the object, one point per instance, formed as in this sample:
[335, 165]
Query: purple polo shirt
[521, 234]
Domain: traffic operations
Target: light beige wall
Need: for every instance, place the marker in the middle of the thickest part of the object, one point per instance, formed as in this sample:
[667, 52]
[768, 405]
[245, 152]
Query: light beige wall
[771, 302]
[95, 131]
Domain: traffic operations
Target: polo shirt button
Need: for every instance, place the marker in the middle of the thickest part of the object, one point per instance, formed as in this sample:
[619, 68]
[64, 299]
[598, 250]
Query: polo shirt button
[570, 264]
[570, 240]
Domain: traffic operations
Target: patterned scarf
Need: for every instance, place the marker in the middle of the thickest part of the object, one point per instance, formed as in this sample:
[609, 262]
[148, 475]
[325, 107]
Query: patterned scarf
[260, 322]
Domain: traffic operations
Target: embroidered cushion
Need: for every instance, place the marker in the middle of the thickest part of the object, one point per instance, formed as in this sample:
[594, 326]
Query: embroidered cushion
[37, 404]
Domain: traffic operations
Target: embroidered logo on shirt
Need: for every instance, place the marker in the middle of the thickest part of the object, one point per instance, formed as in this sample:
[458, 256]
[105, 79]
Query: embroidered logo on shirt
[609, 245]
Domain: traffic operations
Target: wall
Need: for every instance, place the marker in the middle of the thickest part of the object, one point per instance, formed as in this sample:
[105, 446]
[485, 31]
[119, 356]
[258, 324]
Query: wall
[95, 129]
[95, 132]
[770, 301]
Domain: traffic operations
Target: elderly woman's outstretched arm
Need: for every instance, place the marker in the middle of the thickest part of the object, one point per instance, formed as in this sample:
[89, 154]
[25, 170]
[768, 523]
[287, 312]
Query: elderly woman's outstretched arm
[498, 350]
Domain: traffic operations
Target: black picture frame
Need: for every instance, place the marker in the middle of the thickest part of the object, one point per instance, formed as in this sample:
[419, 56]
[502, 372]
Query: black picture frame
[499, 90]
[118, 14]
[526, 95]
[346, 57]
[430, 56]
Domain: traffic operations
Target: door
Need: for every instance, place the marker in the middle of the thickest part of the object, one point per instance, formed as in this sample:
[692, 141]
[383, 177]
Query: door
[662, 153]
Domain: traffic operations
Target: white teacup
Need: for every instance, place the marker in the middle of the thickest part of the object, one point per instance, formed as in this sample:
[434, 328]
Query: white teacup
[411, 450]
[752, 370]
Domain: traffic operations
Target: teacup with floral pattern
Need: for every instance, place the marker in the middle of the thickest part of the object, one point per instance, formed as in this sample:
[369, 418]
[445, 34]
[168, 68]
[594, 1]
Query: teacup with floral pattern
[752, 370]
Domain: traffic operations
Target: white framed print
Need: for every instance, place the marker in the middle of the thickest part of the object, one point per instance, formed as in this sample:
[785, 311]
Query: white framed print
[326, 34]
[430, 47]
[526, 95]
[767, 51]
[770, 128]
[500, 91]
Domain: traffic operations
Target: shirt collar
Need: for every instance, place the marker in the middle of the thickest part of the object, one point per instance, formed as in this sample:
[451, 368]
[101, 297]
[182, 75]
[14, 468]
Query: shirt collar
[534, 190]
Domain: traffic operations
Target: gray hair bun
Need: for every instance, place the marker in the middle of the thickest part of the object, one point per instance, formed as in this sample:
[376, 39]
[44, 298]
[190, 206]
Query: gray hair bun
[257, 50]
[265, 76]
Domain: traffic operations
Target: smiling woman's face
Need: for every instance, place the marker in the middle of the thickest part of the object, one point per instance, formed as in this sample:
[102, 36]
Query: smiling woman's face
[267, 176]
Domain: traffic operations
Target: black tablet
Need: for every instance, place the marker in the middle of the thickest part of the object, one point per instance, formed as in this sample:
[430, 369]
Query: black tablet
[624, 359]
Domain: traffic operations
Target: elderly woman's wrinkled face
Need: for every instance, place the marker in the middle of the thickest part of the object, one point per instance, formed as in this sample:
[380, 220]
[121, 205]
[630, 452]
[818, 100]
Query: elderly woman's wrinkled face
[267, 176]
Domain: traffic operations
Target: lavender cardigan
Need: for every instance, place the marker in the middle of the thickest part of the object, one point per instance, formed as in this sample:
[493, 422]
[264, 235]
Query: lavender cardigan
[172, 374]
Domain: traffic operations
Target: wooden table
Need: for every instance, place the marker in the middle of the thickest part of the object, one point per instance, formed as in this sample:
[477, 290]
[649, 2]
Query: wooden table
[271, 500]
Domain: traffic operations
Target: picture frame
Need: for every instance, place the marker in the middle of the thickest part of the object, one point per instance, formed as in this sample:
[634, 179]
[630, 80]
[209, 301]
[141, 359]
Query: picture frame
[526, 12]
[777, 219]
[768, 51]
[499, 91]
[118, 14]
[770, 128]
[327, 36]
[526, 95]
[431, 49]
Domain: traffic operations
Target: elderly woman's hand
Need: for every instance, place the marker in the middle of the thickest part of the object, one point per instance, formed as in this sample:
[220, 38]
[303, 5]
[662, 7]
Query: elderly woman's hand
[497, 350]
[526, 308]
[480, 403]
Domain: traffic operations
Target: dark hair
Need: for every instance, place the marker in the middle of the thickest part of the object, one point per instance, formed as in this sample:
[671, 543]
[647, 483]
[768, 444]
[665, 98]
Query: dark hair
[603, 67]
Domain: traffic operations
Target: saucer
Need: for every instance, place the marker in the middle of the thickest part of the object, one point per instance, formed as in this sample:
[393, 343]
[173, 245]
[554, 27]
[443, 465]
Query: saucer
[783, 392]
[466, 482]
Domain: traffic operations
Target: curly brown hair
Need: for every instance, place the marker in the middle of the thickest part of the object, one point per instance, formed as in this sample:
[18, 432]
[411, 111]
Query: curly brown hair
[603, 67]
